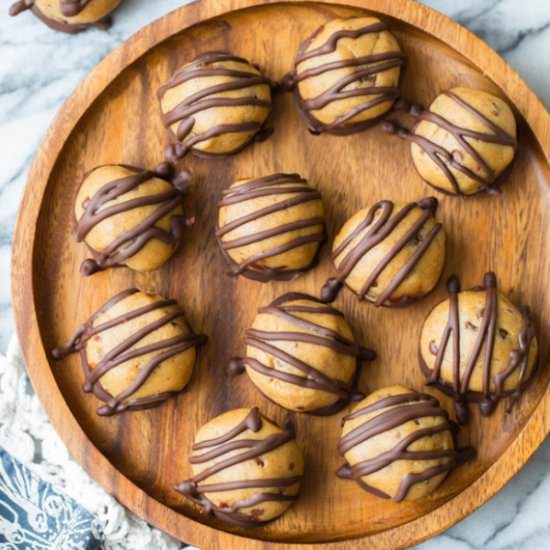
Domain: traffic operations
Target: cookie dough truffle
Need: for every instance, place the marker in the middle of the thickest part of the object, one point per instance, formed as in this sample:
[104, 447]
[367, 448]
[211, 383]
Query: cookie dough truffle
[129, 216]
[301, 354]
[390, 254]
[346, 75]
[463, 142]
[271, 227]
[69, 16]
[399, 444]
[215, 105]
[478, 347]
[246, 470]
[136, 351]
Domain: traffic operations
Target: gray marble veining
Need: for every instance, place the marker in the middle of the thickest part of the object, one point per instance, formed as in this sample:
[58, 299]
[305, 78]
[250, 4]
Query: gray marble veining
[40, 68]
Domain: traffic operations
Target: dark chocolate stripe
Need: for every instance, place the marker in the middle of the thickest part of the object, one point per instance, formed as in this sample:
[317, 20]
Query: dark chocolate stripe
[248, 484]
[379, 462]
[224, 444]
[20, 6]
[377, 230]
[276, 184]
[70, 8]
[255, 448]
[313, 379]
[182, 114]
[122, 352]
[386, 421]
[343, 344]
[365, 67]
[332, 42]
[392, 401]
[459, 387]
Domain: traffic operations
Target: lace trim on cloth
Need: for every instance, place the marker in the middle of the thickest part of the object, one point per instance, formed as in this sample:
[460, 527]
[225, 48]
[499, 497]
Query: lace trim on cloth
[26, 433]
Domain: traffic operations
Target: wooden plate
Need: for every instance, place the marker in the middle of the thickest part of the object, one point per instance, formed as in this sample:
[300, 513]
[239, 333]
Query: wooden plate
[113, 117]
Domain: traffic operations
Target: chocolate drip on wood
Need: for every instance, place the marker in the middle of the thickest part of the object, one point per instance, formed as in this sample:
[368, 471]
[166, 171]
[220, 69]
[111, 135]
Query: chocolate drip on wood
[196, 490]
[378, 229]
[365, 69]
[130, 242]
[126, 351]
[276, 184]
[445, 159]
[208, 98]
[312, 378]
[396, 410]
[68, 8]
[483, 348]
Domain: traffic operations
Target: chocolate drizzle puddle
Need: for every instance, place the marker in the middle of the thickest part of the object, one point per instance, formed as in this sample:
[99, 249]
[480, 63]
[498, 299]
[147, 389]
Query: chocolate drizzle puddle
[208, 98]
[124, 352]
[459, 388]
[195, 489]
[395, 411]
[445, 159]
[378, 230]
[68, 8]
[130, 242]
[276, 184]
[366, 68]
[312, 378]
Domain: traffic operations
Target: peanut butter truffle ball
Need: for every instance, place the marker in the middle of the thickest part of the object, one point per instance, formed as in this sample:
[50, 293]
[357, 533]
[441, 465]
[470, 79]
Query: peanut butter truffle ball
[246, 470]
[464, 141]
[478, 347]
[399, 444]
[347, 75]
[70, 16]
[129, 216]
[390, 254]
[301, 354]
[215, 105]
[271, 227]
[136, 351]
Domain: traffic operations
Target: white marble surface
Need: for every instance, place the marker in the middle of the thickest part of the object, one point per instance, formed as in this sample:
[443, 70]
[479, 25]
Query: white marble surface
[40, 68]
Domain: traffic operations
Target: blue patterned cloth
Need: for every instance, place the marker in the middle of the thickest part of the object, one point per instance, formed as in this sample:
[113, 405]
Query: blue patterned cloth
[34, 516]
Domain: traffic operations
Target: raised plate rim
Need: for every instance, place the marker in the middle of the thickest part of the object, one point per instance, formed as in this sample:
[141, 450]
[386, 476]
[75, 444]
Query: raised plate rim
[66, 425]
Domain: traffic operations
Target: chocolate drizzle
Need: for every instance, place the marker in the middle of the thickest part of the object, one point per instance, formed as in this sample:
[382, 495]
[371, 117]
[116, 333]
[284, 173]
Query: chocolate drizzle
[204, 66]
[445, 159]
[396, 410]
[365, 69]
[284, 308]
[130, 242]
[21, 6]
[378, 229]
[276, 184]
[493, 384]
[68, 8]
[196, 490]
[126, 351]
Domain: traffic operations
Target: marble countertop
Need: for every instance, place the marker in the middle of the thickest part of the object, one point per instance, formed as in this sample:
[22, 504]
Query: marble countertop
[40, 68]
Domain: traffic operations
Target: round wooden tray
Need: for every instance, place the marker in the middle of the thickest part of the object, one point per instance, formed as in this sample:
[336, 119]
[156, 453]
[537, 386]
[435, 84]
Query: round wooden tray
[113, 117]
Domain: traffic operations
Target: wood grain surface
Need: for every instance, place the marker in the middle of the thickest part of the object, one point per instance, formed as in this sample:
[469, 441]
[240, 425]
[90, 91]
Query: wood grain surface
[113, 117]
